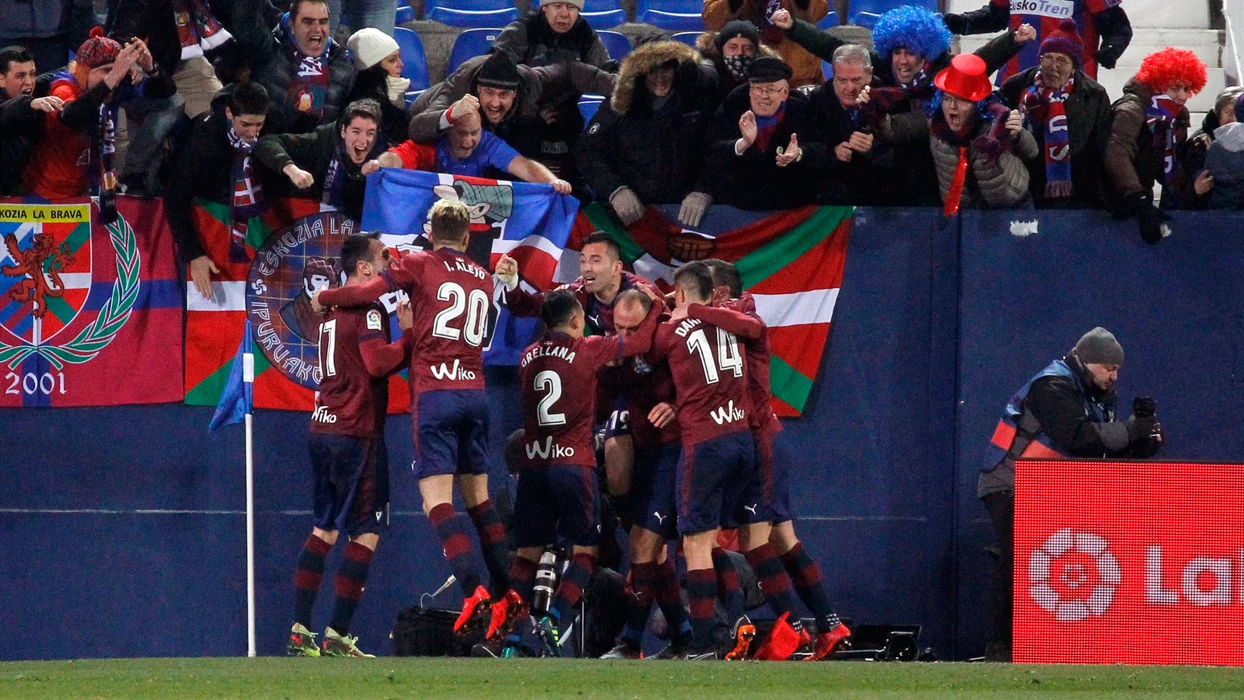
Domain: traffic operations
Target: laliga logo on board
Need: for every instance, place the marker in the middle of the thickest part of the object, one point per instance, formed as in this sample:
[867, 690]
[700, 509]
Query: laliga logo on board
[1073, 575]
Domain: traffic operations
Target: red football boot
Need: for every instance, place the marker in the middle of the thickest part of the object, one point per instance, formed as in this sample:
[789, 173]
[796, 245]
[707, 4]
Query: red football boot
[782, 642]
[828, 642]
[472, 608]
[505, 613]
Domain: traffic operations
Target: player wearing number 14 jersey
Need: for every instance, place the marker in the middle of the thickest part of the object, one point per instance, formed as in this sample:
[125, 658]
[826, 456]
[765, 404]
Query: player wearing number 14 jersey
[450, 296]
[557, 493]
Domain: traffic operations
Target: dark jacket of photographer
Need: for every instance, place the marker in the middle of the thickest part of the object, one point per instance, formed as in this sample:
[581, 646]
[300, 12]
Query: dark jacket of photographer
[1060, 413]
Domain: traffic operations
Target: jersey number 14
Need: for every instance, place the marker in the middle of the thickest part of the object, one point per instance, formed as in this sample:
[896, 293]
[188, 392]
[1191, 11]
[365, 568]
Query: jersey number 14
[726, 359]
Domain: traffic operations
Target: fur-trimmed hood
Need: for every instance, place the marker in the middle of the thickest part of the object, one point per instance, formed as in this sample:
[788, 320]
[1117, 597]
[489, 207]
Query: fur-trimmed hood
[642, 61]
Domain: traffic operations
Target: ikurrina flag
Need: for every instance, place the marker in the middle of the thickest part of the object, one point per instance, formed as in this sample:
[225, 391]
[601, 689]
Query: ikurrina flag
[791, 261]
[528, 222]
[291, 251]
[90, 315]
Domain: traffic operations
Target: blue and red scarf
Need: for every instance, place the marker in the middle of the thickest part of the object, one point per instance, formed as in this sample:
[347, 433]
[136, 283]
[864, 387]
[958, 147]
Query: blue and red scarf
[1160, 119]
[308, 85]
[197, 30]
[1040, 103]
[247, 199]
[341, 168]
[767, 126]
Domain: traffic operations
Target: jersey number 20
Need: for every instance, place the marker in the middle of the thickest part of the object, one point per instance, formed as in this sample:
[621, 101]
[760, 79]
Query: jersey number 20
[475, 305]
[727, 356]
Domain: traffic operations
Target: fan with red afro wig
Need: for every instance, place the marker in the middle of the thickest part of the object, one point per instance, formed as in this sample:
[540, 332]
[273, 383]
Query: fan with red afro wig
[1164, 69]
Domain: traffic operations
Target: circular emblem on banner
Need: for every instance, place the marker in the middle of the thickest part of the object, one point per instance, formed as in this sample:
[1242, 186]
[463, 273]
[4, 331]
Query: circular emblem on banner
[288, 268]
[1073, 575]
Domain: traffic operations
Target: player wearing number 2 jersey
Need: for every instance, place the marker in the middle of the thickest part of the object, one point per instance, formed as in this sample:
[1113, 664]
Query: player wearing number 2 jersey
[348, 459]
[557, 493]
[451, 296]
[718, 480]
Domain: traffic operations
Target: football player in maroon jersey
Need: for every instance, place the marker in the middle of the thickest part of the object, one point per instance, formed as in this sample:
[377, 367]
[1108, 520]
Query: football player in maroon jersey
[558, 496]
[348, 457]
[452, 296]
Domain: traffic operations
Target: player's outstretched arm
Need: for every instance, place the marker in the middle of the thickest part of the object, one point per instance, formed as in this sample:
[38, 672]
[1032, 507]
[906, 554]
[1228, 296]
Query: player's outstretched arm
[729, 320]
[357, 294]
[519, 301]
[383, 359]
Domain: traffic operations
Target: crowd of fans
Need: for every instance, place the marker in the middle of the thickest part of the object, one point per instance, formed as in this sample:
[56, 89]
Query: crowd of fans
[237, 101]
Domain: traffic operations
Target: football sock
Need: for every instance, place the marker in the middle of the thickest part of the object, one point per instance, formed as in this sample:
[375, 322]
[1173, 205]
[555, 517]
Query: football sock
[669, 598]
[308, 577]
[570, 590]
[523, 578]
[351, 579]
[702, 594]
[492, 547]
[806, 576]
[451, 528]
[773, 582]
[639, 602]
[728, 589]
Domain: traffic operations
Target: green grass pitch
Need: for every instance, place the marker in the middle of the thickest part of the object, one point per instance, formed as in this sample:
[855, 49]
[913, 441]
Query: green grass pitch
[534, 678]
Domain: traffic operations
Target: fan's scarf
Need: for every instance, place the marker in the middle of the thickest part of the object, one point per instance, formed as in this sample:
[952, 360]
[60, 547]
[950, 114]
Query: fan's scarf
[988, 147]
[103, 148]
[248, 198]
[309, 84]
[335, 178]
[767, 126]
[1040, 103]
[1160, 118]
[197, 30]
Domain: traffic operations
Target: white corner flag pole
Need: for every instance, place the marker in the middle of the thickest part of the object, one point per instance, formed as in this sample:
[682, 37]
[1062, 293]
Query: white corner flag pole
[249, 374]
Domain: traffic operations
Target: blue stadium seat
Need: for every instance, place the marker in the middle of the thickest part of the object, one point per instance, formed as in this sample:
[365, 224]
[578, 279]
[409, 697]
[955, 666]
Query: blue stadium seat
[604, 20]
[414, 60]
[412, 95]
[831, 20]
[588, 104]
[673, 21]
[865, 13]
[473, 18]
[405, 13]
[827, 70]
[472, 5]
[685, 7]
[617, 44]
[469, 44]
[688, 38]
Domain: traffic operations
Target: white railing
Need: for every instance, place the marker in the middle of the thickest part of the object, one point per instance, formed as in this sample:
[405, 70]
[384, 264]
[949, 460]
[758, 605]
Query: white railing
[1233, 11]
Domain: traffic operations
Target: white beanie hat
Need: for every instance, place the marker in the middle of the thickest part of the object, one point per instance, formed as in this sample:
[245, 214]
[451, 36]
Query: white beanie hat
[370, 46]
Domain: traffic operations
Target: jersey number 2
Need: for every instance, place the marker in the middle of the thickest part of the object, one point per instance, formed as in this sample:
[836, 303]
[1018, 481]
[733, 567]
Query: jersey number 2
[549, 381]
[475, 305]
[727, 357]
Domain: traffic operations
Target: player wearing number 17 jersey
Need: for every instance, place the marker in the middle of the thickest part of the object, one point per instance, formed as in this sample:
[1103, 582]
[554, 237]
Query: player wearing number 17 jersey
[450, 296]
[557, 490]
[349, 462]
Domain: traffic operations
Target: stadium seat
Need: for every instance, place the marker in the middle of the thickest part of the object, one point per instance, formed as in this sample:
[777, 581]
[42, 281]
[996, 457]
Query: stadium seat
[412, 95]
[473, 18]
[865, 13]
[688, 38]
[414, 60]
[673, 21]
[617, 44]
[605, 19]
[831, 20]
[472, 5]
[827, 70]
[404, 14]
[469, 44]
[685, 7]
[588, 104]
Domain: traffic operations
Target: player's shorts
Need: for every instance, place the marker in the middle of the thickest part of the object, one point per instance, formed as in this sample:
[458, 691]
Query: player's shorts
[719, 484]
[557, 502]
[654, 505]
[351, 490]
[451, 433]
[774, 477]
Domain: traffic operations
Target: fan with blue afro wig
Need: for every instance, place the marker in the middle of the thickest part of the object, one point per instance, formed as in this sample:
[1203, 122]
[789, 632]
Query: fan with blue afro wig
[915, 29]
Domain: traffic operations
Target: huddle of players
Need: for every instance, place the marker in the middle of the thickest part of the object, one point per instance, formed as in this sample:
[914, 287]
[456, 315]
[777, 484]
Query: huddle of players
[692, 433]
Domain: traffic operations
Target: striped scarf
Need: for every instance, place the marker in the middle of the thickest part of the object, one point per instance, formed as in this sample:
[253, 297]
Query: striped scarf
[104, 147]
[1160, 119]
[248, 198]
[1042, 103]
[197, 30]
[309, 84]
[767, 126]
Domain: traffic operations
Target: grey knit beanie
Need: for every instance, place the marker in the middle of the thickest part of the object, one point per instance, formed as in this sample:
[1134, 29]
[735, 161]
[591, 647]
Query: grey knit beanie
[1099, 347]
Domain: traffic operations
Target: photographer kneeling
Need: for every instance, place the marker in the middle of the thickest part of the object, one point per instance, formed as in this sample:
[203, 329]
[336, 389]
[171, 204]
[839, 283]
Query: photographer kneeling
[1066, 410]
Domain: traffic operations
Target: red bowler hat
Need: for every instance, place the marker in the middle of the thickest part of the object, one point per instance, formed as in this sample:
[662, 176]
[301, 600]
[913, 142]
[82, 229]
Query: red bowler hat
[966, 77]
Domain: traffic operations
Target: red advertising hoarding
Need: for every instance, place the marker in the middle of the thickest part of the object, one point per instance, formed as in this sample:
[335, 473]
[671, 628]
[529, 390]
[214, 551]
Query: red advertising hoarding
[1129, 562]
